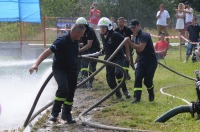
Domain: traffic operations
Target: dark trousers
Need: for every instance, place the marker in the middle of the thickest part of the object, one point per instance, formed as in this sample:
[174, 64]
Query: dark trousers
[67, 81]
[145, 70]
[88, 67]
[113, 73]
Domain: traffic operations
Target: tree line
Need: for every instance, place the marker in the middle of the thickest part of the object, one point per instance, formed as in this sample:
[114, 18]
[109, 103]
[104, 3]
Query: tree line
[143, 10]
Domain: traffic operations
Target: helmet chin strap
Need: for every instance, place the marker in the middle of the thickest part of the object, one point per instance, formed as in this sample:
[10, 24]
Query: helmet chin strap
[106, 31]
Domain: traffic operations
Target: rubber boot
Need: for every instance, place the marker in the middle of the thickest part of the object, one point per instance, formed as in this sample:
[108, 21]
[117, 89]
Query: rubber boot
[55, 110]
[118, 95]
[125, 91]
[66, 114]
[137, 96]
[151, 94]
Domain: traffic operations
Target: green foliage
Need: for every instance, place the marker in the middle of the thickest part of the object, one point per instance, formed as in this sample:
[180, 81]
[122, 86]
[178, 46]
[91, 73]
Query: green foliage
[143, 10]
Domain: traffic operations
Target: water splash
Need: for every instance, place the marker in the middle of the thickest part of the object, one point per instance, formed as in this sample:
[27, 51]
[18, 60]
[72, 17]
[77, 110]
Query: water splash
[18, 90]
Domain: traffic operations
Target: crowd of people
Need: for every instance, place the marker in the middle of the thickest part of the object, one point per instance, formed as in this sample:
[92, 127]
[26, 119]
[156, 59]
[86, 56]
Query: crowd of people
[83, 39]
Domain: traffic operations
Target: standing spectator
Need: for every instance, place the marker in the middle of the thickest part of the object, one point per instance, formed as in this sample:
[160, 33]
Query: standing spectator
[94, 15]
[112, 19]
[146, 63]
[192, 34]
[188, 14]
[180, 15]
[90, 45]
[111, 40]
[65, 49]
[126, 32]
[163, 20]
[161, 47]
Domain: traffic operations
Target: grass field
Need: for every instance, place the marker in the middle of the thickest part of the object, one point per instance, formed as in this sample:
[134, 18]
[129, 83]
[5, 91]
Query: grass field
[143, 115]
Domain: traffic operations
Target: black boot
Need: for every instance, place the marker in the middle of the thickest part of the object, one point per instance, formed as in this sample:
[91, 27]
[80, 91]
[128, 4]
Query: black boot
[137, 96]
[151, 94]
[55, 110]
[118, 95]
[66, 114]
[125, 91]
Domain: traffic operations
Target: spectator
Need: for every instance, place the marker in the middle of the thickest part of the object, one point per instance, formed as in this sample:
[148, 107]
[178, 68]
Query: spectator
[65, 49]
[112, 19]
[94, 15]
[180, 15]
[192, 34]
[188, 14]
[163, 20]
[161, 47]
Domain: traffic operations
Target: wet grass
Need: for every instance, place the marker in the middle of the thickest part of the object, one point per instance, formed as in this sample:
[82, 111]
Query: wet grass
[143, 115]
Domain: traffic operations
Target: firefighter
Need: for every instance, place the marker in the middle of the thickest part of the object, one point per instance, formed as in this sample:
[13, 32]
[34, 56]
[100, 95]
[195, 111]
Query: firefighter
[126, 32]
[111, 40]
[65, 49]
[146, 61]
[90, 45]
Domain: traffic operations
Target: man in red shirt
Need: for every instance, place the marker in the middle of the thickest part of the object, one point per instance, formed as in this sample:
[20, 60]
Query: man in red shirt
[94, 15]
[161, 47]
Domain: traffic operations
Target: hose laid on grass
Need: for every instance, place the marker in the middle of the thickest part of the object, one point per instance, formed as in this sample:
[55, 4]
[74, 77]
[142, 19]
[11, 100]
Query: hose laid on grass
[190, 78]
[173, 112]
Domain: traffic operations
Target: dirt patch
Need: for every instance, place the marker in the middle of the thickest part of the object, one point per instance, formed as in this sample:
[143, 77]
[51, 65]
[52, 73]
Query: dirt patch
[84, 98]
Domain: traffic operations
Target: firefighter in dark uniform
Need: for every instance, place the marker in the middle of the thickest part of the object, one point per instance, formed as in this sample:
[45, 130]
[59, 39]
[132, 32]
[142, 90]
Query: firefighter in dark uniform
[65, 49]
[111, 40]
[90, 45]
[126, 32]
[146, 62]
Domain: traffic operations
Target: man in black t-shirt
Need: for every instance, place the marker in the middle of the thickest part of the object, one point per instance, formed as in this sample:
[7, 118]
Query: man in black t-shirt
[90, 45]
[192, 34]
[65, 49]
[126, 32]
[146, 62]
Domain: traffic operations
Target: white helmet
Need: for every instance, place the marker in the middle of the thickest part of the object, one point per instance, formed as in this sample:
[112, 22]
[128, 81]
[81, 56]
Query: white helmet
[81, 20]
[104, 21]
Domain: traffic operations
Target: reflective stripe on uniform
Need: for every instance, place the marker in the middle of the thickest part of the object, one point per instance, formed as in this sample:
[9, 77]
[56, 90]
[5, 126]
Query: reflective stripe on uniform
[126, 68]
[59, 99]
[84, 69]
[68, 103]
[137, 89]
[120, 79]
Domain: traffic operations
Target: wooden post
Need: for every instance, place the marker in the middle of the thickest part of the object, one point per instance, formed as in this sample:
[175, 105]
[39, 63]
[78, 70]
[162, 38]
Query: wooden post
[180, 47]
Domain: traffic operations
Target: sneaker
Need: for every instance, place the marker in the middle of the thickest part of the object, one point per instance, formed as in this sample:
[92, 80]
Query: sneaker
[52, 118]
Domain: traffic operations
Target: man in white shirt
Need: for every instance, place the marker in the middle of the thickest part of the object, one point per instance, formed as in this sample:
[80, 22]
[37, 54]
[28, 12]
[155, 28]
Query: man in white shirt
[188, 15]
[163, 20]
